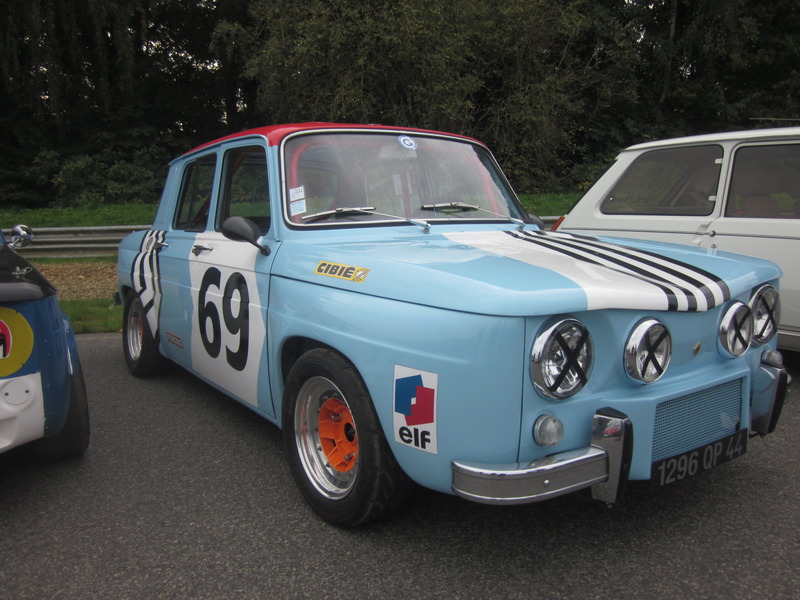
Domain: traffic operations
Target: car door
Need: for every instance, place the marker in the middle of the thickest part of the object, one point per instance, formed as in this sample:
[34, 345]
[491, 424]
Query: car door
[215, 290]
[762, 217]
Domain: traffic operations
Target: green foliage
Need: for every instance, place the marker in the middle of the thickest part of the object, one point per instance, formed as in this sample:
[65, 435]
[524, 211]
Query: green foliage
[71, 216]
[97, 95]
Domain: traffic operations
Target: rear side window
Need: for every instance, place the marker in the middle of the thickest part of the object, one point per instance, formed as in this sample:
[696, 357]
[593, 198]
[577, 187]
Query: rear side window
[765, 183]
[674, 181]
[195, 196]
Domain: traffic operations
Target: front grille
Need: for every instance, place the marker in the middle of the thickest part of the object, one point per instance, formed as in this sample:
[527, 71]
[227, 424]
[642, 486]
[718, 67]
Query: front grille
[691, 421]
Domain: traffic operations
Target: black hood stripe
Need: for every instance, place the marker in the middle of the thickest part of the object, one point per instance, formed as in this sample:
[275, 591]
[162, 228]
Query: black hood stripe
[677, 269]
[682, 284]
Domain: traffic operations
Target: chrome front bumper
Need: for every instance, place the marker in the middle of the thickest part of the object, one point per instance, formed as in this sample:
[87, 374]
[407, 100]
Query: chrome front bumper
[603, 466]
[770, 384]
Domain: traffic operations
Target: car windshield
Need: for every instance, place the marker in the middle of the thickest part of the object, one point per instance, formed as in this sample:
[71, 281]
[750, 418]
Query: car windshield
[342, 178]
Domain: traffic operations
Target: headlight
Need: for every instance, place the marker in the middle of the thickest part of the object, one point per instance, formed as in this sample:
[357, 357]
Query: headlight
[648, 351]
[736, 330]
[561, 359]
[766, 307]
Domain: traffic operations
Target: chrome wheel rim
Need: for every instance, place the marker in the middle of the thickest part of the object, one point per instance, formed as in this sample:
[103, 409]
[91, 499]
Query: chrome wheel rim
[135, 329]
[326, 439]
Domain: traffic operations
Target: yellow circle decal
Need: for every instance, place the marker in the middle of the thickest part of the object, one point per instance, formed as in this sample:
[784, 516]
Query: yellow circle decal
[16, 341]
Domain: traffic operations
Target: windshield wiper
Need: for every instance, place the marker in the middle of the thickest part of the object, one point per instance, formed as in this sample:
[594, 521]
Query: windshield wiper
[464, 206]
[345, 210]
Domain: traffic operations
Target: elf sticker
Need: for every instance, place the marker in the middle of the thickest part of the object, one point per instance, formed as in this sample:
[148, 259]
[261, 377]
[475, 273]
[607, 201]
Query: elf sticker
[415, 395]
[16, 341]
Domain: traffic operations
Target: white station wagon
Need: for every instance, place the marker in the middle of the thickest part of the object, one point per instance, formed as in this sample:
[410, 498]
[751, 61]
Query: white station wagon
[737, 191]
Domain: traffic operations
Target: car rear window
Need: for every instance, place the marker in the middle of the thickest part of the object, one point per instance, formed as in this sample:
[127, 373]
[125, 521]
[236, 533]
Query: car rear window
[673, 181]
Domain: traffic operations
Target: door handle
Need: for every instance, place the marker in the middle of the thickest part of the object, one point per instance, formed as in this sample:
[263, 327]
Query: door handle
[198, 248]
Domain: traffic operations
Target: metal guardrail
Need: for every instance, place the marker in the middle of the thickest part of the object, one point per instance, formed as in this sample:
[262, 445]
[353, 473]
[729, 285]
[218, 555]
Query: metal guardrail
[91, 241]
[75, 241]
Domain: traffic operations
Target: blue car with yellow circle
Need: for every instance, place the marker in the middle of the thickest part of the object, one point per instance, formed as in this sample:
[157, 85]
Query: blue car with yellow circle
[43, 403]
[380, 294]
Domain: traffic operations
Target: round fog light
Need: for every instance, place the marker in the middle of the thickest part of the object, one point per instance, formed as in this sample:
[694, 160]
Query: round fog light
[548, 431]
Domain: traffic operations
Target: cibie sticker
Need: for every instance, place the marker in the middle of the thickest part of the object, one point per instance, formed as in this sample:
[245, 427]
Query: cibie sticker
[16, 341]
[406, 142]
[414, 403]
[346, 272]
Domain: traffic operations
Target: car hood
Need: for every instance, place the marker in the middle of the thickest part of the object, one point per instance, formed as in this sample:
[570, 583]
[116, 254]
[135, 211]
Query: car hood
[524, 273]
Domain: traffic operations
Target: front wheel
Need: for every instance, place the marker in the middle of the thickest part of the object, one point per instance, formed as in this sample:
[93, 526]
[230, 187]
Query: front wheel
[337, 452]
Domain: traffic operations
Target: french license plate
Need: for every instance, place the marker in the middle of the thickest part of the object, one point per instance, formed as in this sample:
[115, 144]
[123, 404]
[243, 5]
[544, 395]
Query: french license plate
[682, 466]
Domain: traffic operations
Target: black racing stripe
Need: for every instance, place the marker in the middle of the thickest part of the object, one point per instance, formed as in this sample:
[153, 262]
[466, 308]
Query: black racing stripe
[625, 267]
[643, 273]
[139, 262]
[160, 237]
[640, 254]
[672, 300]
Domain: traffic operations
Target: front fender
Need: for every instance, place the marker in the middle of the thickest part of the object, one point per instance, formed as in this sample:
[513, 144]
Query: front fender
[473, 361]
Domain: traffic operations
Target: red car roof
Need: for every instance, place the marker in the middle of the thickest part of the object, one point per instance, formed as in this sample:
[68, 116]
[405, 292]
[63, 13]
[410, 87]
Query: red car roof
[276, 133]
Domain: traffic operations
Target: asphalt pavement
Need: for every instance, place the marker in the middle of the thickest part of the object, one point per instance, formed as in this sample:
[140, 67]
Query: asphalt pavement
[184, 493]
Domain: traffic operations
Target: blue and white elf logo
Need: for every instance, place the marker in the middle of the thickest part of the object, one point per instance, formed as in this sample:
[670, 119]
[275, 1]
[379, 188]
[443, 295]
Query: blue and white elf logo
[406, 142]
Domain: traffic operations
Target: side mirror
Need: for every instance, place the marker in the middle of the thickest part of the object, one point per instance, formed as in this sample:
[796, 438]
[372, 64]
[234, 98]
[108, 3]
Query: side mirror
[242, 229]
[21, 236]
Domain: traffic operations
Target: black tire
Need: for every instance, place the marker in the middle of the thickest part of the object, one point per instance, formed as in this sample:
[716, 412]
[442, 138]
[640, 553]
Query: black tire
[73, 439]
[337, 452]
[138, 344]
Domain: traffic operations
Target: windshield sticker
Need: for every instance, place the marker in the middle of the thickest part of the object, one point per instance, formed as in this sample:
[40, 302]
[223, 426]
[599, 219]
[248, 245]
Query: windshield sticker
[346, 272]
[414, 404]
[297, 201]
[406, 142]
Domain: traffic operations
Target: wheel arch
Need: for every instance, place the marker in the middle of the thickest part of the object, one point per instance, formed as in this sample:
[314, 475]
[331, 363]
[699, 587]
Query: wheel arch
[295, 347]
[124, 290]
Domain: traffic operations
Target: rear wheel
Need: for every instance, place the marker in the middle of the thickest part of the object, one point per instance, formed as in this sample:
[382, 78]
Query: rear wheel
[138, 343]
[337, 451]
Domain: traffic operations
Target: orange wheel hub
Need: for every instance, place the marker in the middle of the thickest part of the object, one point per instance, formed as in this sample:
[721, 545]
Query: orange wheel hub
[337, 434]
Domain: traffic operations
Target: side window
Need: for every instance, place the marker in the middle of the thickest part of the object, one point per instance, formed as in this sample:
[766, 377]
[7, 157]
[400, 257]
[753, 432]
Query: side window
[244, 186]
[195, 195]
[765, 183]
[674, 181]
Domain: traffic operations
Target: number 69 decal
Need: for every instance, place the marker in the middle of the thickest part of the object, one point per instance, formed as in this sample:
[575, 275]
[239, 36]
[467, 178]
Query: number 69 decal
[210, 324]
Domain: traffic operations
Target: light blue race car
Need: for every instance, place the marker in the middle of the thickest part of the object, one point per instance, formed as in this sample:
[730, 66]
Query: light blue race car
[43, 403]
[380, 295]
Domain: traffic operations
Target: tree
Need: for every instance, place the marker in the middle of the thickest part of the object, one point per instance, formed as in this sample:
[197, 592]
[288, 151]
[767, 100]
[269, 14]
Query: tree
[718, 65]
[94, 95]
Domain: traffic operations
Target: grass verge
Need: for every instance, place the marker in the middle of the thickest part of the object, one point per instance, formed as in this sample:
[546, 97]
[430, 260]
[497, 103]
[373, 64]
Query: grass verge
[98, 315]
[548, 205]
